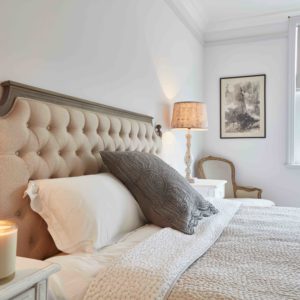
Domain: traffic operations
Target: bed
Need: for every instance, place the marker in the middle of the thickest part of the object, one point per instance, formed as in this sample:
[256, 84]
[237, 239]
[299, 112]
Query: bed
[239, 253]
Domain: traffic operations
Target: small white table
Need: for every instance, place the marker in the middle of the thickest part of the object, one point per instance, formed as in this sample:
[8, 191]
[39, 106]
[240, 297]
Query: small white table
[30, 280]
[210, 187]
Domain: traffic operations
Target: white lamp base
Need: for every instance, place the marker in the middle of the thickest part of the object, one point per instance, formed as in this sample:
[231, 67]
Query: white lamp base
[188, 157]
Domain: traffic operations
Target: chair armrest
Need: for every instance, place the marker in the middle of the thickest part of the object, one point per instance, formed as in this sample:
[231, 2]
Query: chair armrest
[248, 192]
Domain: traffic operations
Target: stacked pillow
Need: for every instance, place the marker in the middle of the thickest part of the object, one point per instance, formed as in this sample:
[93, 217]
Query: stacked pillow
[165, 197]
[86, 213]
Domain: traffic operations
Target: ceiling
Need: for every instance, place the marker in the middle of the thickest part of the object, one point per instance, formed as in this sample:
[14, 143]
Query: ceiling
[223, 10]
[206, 17]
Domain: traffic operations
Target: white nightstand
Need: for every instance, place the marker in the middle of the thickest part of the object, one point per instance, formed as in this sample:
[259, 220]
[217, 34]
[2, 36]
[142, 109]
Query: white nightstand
[30, 280]
[210, 188]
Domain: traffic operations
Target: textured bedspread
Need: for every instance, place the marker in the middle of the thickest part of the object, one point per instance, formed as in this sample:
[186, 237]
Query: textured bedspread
[256, 257]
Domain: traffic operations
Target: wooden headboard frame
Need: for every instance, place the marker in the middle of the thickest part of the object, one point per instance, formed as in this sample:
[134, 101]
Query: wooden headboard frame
[12, 90]
[44, 134]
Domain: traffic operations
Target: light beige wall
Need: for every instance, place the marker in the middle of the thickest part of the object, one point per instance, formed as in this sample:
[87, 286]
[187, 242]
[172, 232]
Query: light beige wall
[133, 54]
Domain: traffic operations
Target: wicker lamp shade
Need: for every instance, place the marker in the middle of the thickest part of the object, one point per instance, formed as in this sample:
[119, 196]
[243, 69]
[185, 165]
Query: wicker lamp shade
[190, 115]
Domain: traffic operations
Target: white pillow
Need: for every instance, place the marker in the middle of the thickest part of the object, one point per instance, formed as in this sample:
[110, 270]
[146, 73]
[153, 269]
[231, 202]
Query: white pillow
[85, 213]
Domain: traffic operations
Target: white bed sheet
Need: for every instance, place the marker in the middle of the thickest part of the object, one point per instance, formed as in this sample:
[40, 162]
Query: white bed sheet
[78, 270]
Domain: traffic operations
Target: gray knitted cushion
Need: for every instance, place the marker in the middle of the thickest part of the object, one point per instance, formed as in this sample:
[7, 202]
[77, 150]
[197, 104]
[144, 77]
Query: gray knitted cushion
[165, 197]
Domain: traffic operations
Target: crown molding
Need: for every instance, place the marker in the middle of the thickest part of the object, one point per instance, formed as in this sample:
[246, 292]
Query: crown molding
[251, 21]
[245, 39]
[237, 30]
[190, 16]
[249, 34]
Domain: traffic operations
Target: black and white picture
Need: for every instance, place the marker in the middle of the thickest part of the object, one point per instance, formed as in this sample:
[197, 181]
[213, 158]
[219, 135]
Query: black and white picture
[243, 107]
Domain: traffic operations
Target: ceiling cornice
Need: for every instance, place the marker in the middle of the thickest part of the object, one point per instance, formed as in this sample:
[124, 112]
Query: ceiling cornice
[213, 32]
[189, 16]
[253, 21]
[248, 34]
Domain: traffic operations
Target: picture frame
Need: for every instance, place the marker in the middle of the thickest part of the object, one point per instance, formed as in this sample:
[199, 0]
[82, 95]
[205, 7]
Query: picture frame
[243, 107]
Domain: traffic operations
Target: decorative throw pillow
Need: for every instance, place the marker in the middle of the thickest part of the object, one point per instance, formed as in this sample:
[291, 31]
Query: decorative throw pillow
[165, 197]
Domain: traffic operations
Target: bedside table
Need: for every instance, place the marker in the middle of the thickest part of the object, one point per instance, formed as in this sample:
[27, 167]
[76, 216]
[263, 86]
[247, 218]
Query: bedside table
[210, 187]
[30, 280]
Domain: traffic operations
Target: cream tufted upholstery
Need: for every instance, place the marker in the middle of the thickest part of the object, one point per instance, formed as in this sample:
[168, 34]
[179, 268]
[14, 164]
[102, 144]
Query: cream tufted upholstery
[43, 140]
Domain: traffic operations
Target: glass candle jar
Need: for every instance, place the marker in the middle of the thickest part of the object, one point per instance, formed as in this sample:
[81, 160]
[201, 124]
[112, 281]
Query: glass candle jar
[8, 248]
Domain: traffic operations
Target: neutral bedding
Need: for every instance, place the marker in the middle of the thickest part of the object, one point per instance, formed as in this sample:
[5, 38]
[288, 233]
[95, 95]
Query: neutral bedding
[251, 254]
[256, 257]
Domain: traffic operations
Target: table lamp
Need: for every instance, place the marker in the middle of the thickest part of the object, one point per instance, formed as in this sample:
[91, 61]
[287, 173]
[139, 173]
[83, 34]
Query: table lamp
[190, 115]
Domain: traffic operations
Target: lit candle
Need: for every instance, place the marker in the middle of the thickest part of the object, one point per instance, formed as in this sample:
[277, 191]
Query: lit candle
[8, 248]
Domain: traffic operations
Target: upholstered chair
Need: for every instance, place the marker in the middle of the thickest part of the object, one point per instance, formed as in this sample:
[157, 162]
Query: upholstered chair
[211, 167]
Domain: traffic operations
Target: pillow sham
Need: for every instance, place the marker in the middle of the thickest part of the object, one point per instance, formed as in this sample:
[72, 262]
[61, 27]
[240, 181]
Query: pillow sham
[165, 197]
[85, 213]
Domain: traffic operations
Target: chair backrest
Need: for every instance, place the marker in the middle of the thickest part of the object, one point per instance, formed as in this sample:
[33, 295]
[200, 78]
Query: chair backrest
[212, 167]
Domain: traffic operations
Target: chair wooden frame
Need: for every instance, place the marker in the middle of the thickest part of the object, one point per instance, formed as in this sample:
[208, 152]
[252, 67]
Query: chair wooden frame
[234, 185]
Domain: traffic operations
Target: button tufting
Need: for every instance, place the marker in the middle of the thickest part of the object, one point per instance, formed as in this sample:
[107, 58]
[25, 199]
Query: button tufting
[49, 127]
[31, 240]
[38, 152]
[18, 213]
[27, 125]
[17, 153]
[59, 152]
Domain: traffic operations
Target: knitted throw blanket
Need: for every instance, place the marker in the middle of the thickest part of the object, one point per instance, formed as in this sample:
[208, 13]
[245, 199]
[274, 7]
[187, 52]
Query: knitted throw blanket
[256, 257]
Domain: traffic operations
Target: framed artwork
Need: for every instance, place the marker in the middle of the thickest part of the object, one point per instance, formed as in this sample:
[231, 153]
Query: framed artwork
[243, 107]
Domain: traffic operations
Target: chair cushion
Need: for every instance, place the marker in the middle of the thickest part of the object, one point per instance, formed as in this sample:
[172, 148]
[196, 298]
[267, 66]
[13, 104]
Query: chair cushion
[253, 202]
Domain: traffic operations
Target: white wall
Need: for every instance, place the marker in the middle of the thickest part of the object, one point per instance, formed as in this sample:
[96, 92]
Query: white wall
[133, 54]
[297, 127]
[259, 162]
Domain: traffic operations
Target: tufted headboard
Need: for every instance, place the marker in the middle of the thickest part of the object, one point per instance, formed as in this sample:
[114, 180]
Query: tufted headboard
[49, 135]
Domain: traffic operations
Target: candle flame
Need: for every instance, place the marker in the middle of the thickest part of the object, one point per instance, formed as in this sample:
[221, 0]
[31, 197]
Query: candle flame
[7, 227]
